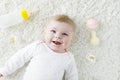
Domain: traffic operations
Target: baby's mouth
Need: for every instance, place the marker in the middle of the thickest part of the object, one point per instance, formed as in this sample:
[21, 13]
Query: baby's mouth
[57, 42]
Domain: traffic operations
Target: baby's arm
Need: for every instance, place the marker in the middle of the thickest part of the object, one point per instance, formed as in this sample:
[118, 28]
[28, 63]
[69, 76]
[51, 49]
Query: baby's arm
[18, 60]
[71, 72]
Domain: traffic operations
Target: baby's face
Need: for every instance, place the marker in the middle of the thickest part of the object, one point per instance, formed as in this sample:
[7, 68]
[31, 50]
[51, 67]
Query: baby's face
[58, 36]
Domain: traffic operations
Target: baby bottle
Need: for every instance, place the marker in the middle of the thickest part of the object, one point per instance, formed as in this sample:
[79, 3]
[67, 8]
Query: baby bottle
[13, 18]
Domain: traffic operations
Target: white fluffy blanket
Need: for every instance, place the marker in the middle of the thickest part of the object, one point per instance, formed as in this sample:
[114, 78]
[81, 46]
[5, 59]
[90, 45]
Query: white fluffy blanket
[105, 61]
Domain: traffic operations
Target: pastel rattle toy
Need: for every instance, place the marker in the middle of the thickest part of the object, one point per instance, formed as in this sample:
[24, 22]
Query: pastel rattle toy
[94, 39]
[93, 24]
[11, 19]
[91, 58]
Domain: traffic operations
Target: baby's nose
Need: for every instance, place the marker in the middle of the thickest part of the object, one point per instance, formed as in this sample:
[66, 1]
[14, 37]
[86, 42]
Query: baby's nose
[58, 36]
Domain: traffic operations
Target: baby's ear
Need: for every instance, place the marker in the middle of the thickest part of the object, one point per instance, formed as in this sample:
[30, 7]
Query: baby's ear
[73, 38]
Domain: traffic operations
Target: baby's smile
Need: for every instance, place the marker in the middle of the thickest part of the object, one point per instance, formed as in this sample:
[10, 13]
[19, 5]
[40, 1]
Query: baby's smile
[57, 42]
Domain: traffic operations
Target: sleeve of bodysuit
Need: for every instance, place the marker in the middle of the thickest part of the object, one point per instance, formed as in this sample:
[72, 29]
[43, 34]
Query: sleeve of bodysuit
[71, 72]
[18, 60]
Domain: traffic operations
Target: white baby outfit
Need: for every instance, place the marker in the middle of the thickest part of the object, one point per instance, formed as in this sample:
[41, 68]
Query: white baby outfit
[44, 63]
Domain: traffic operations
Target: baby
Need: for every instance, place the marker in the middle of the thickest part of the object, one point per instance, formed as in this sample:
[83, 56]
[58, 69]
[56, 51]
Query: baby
[48, 59]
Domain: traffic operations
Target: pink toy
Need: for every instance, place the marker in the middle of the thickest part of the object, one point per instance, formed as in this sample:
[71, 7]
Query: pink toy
[92, 23]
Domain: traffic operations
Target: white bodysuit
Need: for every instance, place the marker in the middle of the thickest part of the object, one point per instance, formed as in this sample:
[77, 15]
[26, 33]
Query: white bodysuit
[44, 63]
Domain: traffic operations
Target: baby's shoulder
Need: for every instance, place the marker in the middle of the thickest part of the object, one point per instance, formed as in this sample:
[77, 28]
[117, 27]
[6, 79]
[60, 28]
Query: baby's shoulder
[71, 56]
[38, 42]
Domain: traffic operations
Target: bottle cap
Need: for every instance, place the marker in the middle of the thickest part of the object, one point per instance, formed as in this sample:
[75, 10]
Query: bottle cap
[24, 14]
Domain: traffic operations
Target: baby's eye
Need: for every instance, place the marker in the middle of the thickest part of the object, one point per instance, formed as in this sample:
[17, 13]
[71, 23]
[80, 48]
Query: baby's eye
[65, 34]
[53, 31]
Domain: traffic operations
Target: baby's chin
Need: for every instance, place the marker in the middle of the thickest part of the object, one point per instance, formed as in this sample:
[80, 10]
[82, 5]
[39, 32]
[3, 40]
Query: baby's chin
[59, 51]
[56, 48]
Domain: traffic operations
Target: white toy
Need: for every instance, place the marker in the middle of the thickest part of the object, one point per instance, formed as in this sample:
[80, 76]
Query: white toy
[11, 19]
[93, 24]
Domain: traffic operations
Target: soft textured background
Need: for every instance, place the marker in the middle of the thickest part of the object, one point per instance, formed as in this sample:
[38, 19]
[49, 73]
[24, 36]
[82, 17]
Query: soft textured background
[107, 55]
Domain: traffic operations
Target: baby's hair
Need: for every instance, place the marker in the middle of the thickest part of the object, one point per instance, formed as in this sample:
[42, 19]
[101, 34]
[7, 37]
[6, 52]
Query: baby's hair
[65, 19]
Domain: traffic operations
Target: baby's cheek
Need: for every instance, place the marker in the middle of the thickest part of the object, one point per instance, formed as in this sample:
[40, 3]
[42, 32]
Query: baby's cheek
[67, 42]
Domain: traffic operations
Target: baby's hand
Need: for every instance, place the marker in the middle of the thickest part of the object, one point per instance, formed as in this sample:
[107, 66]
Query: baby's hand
[1, 75]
